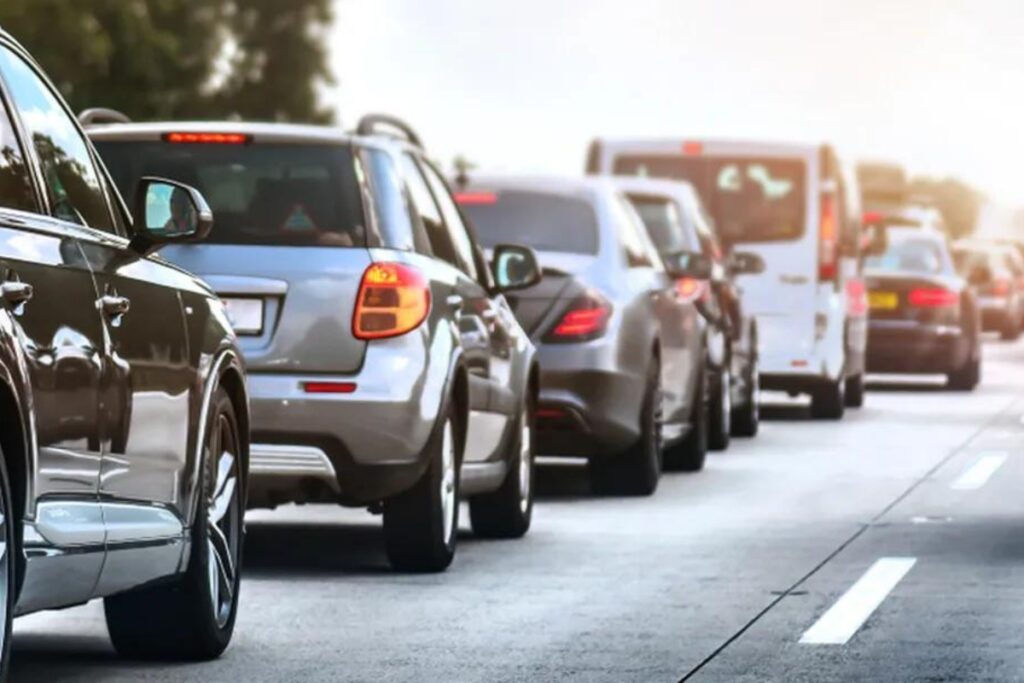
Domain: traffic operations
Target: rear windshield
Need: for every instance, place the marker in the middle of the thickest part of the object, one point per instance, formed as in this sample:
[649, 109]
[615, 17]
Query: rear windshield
[750, 199]
[663, 221]
[546, 222]
[920, 256]
[269, 194]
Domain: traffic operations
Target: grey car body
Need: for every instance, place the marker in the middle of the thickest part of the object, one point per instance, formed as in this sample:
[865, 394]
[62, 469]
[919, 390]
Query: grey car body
[595, 252]
[307, 211]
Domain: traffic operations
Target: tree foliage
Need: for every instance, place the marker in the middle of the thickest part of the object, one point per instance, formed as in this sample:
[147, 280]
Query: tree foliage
[180, 59]
[959, 203]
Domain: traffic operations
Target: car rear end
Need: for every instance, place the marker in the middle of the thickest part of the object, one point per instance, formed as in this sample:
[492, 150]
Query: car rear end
[590, 382]
[988, 269]
[921, 316]
[343, 393]
[771, 200]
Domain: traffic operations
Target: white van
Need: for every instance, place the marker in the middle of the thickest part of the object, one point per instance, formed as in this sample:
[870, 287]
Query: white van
[799, 209]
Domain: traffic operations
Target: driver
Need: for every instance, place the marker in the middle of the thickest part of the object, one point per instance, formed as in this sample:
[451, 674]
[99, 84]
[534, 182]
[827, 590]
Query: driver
[183, 214]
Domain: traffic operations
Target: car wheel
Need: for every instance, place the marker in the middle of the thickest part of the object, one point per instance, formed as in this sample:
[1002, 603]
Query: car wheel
[421, 525]
[966, 377]
[855, 391]
[193, 617]
[637, 471]
[828, 400]
[506, 513]
[720, 418]
[8, 553]
[1010, 329]
[689, 454]
[746, 418]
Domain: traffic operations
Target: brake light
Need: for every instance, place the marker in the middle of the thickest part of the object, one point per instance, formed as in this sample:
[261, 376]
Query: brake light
[1001, 287]
[587, 319]
[693, 149]
[476, 198]
[828, 240]
[928, 297]
[207, 138]
[690, 289]
[393, 299]
[873, 218]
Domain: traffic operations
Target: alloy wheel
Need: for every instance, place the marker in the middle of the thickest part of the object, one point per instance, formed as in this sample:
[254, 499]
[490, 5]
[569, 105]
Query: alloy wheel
[525, 462]
[449, 502]
[223, 523]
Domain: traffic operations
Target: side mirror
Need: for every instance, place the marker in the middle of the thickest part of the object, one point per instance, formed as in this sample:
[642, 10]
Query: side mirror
[979, 275]
[168, 212]
[692, 264]
[515, 267]
[747, 263]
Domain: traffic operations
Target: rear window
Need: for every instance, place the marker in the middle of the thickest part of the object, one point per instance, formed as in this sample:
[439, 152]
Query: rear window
[268, 194]
[911, 255]
[750, 199]
[546, 222]
[664, 222]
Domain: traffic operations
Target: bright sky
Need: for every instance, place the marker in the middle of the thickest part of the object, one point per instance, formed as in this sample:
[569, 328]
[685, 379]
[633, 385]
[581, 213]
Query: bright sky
[525, 84]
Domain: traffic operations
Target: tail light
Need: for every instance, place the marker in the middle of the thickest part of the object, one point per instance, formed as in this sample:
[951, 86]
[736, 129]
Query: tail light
[689, 289]
[208, 138]
[1001, 287]
[585, 320]
[828, 239]
[927, 297]
[393, 299]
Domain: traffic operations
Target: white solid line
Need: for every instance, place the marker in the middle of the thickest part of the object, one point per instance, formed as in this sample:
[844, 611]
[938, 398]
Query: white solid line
[843, 619]
[978, 474]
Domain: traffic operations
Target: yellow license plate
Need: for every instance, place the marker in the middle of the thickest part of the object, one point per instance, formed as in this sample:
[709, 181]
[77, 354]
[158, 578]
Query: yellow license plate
[883, 301]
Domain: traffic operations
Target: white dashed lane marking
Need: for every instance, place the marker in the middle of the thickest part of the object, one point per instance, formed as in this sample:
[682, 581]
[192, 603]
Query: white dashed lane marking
[978, 474]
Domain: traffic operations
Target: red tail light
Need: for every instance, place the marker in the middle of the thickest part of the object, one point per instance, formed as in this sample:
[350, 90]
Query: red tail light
[476, 198]
[393, 299]
[1001, 287]
[587, 319]
[690, 289]
[207, 138]
[828, 240]
[927, 297]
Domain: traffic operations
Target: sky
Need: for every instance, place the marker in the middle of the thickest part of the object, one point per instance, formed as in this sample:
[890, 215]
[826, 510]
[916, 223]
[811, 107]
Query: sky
[524, 85]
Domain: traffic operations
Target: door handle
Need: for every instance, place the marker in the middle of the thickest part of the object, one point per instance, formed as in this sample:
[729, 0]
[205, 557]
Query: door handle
[114, 305]
[454, 302]
[15, 292]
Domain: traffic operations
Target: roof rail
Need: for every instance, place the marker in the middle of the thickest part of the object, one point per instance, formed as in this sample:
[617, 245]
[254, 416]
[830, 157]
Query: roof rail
[96, 115]
[369, 123]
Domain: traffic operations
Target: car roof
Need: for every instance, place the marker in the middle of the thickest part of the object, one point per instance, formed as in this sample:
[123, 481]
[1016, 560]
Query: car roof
[260, 132]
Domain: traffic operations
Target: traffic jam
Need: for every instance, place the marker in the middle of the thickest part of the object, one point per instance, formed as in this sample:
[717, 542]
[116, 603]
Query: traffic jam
[688, 412]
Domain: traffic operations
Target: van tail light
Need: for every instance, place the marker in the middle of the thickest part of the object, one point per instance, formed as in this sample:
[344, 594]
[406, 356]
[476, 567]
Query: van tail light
[393, 299]
[586, 319]
[828, 239]
[929, 297]
[1000, 287]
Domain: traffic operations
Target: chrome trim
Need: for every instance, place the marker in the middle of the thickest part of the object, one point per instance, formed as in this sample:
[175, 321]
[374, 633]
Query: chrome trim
[127, 523]
[293, 461]
[69, 523]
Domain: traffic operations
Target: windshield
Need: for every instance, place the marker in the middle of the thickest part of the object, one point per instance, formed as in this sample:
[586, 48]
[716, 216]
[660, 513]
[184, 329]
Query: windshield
[270, 194]
[921, 256]
[544, 221]
[750, 199]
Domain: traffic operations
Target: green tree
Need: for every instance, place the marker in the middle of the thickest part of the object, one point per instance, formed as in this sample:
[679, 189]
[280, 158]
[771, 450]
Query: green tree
[177, 59]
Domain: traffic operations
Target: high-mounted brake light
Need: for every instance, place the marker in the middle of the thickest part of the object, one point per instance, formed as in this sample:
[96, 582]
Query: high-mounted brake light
[932, 297]
[393, 299]
[585, 320]
[692, 148]
[828, 239]
[476, 198]
[207, 138]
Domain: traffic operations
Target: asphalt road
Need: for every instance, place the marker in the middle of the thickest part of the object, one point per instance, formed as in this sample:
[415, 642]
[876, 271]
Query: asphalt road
[889, 546]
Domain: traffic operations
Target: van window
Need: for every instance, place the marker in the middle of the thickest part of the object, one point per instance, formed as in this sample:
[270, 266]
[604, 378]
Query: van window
[544, 221]
[751, 199]
[266, 194]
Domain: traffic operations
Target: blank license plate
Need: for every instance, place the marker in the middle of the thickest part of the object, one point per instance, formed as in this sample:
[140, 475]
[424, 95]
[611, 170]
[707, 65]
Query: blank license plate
[246, 315]
[883, 301]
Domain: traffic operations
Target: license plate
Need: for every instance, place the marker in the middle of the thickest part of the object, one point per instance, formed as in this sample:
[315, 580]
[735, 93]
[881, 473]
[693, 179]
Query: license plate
[246, 315]
[883, 301]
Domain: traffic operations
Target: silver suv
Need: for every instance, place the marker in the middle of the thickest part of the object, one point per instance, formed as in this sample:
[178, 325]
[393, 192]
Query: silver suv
[381, 352]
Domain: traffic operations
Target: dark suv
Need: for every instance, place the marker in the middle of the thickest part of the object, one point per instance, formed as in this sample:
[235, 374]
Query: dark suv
[122, 394]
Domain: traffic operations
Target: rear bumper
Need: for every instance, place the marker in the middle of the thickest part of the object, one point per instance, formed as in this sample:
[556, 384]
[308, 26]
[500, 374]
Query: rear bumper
[897, 346]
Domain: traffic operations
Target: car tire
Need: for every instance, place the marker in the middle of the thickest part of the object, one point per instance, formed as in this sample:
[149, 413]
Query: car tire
[966, 377]
[689, 454]
[507, 512]
[1010, 329]
[637, 471]
[828, 400]
[7, 567]
[855, 391]
[746, 417]
[720, 416]
[421, 525]
[192, 618]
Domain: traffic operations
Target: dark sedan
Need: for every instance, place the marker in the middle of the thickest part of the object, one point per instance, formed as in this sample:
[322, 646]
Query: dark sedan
[923, 316]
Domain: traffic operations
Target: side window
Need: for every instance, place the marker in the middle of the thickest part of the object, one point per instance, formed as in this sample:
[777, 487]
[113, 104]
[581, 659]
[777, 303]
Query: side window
[426, 207]
[72, 180]
[453, 219]
[398, 225]
[15, 186]
[631, 234]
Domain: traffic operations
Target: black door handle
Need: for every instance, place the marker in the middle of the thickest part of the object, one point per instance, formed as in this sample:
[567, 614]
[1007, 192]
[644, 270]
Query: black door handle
[114, 305]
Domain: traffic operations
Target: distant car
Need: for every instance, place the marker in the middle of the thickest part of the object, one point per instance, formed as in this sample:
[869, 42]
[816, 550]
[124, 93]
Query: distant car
[676, 221]
[125, 446]
[622, 357]
[996, 273]
[386, 368]
[924, 318]
[797, 208]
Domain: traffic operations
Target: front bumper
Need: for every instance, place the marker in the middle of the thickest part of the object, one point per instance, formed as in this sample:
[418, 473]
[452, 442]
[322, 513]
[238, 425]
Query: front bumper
[906, 346]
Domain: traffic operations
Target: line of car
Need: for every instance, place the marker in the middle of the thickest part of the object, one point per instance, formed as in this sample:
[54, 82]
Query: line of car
[331, 319]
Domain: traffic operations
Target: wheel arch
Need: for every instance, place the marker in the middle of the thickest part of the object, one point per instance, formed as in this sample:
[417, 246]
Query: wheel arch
[17, 449]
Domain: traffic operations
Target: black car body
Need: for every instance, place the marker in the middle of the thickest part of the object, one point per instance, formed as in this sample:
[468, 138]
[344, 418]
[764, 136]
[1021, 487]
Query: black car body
[122, 393]
[924, 317]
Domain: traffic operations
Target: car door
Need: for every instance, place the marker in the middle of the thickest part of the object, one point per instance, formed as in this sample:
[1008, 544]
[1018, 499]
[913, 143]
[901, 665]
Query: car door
[49, 302]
